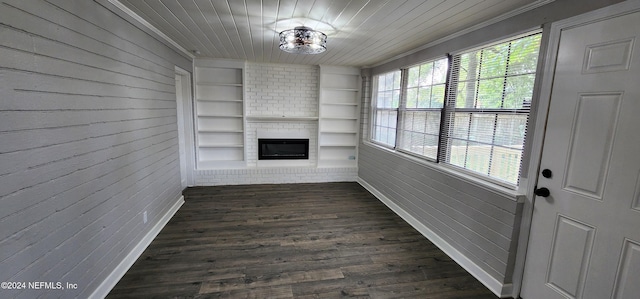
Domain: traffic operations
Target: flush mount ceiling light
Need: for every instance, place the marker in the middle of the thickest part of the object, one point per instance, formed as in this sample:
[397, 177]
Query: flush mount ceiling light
[303, 40]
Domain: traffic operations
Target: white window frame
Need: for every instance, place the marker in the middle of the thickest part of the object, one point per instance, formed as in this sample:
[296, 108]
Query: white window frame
[375, 109]
[403, 109]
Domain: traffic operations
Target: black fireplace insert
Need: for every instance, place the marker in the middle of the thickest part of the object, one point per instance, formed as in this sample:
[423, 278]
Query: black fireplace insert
[283, 149]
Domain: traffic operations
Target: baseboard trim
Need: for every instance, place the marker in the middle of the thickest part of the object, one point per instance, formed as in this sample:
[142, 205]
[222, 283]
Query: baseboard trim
[105, 287]
[501, 290]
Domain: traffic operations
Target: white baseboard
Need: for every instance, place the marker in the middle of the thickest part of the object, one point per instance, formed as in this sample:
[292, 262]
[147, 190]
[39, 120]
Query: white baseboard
[501, 290]
[105, 287]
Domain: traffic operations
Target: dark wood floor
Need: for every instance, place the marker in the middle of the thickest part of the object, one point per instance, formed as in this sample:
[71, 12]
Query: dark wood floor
[331, 240]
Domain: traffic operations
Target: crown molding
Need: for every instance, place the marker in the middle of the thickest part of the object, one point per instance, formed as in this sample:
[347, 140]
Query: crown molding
[486, 23]
[155, 30]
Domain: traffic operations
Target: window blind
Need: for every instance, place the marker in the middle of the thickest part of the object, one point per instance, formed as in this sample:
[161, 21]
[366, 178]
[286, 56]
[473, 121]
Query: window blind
[421, 108]
[487, 107]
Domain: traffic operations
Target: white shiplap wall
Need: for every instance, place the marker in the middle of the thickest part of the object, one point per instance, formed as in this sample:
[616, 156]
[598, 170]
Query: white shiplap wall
[88, 142]
[480, 224]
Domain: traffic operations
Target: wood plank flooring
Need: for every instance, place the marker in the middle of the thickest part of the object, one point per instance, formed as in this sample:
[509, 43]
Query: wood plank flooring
[326, 240]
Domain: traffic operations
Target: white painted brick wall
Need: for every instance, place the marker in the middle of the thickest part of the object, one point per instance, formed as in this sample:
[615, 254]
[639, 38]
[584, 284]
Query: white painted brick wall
[274, 176]
[281, 89]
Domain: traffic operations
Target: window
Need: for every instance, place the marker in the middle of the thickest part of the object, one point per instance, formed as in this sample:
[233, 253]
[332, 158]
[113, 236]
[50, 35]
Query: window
[488, 107]
[484, 110]
[422, 106]
[385, 109]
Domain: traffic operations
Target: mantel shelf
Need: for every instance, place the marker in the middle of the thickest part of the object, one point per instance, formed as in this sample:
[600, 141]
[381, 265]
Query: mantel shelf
[281, 118]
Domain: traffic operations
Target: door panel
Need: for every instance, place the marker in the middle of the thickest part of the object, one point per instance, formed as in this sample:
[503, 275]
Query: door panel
[608, 56]
[584, 236]
[636, 202]
[587, 169]
[627, 285]
[570, 253]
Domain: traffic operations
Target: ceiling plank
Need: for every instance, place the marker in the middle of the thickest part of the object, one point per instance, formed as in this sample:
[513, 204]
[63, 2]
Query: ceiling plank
[197, 23]
[360, 32]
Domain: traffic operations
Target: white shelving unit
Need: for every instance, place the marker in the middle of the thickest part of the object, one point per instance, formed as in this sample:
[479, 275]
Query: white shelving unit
[339, 116]
[219, 112]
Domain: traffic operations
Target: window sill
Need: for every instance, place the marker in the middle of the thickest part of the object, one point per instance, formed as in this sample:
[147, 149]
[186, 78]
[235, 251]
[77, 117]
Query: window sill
[512, 194]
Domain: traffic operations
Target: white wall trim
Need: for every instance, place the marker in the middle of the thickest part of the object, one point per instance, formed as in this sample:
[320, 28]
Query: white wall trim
[187, 122]
[501, 290]
[112, 279]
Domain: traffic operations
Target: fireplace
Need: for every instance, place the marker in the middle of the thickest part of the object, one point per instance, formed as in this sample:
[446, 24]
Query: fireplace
[283, 149]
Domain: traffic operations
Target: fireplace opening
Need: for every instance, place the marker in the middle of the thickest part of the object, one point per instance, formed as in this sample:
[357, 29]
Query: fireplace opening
[283, 149]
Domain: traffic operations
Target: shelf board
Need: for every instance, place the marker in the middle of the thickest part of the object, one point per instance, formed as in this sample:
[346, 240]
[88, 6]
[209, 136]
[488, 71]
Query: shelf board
[336, 160]
[219, 84]
[340, 89]
[338, 117]
[339, 104]
[221, 146]
[220, 115]
[338, 132]
[281, 118]
[338, 145]
[220, 131]
[206, 100]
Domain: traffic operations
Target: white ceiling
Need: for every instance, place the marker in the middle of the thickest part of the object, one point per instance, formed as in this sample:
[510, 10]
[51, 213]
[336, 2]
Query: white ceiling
[360, 32]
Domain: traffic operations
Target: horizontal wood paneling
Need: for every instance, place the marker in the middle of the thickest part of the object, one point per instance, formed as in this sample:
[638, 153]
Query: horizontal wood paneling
[69, 29]
[475, 221]
[88, 141]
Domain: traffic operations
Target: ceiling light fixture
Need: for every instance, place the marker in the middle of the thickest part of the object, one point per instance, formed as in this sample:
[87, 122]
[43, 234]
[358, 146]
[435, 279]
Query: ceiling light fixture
[303, 40]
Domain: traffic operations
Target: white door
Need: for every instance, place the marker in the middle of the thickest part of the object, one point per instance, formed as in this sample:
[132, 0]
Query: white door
[585, 236]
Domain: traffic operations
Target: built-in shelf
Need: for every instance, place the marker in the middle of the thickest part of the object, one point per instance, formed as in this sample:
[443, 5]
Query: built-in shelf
[339, 116]
[221, 116]
[281, 118]
[219, 113]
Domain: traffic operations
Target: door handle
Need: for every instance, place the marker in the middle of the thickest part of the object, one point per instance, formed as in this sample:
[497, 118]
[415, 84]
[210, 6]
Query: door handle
[544, 192]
